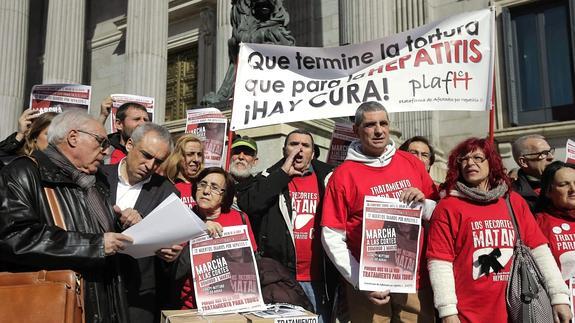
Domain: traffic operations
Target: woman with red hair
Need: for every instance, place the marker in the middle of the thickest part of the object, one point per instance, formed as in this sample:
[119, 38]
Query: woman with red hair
[472, 237]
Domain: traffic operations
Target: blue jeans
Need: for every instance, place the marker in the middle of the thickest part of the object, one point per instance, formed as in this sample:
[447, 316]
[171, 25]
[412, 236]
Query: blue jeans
[314, 291]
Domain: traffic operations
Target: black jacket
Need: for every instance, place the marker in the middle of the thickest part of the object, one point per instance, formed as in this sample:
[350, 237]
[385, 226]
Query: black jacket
[29, 240]
[268, 205]
[525, 188]
[145, 274]
[9, 148]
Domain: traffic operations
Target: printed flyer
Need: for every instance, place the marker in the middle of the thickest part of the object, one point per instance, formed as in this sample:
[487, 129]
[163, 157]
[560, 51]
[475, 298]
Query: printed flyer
[225, 273]
[210, 125]
[341, 138]
[60, 97]
[119, 99]
[570, 152]
[389, 245]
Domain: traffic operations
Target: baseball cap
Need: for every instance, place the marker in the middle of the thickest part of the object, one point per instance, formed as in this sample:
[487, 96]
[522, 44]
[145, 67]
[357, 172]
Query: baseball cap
[245, 141]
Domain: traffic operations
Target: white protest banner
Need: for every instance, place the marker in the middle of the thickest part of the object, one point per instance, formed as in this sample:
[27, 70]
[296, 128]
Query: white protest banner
[60, 97]
[225, 272]
[445, 65]
[389, 245]
[119, 99]
[209, 125]
[570, 152]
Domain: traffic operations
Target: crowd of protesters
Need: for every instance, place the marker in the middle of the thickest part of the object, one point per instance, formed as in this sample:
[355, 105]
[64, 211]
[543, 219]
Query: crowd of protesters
[303, 215]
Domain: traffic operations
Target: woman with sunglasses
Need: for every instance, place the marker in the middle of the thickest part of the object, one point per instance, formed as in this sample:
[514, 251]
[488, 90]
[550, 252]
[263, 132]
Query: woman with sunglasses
[213, 191]
[556, 214]
[472, 237]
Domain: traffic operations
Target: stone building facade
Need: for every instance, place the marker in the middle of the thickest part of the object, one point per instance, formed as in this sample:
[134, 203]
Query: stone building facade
[175, 51]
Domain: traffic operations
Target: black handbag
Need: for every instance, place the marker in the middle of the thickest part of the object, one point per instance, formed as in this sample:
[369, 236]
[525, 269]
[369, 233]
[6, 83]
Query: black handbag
[527, 297]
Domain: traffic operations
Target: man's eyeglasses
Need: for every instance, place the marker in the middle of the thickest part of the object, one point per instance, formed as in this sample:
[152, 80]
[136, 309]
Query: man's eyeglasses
[213, 188]
[477, 159]
[540, 155]
[104, 142]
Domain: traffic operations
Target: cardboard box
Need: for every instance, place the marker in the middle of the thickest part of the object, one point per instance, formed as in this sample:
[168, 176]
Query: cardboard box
[307, 317]
[192, 316]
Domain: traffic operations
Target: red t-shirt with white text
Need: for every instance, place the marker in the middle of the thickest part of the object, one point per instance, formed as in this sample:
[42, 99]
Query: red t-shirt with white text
[461, 231]
[185, 190]
[304, 195]
[352, 181]
[560, 230]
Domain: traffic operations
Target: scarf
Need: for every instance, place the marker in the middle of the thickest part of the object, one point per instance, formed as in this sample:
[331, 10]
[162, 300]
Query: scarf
[562, 213]
[477, 195]
[97, 206]
[354, 153]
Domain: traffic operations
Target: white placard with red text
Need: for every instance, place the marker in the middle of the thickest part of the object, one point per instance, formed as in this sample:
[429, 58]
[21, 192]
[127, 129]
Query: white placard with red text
[570, 152]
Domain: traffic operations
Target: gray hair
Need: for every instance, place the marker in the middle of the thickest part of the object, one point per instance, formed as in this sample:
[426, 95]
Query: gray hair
[65, 122]
[518, 147]
[370, 106]
[147, 127]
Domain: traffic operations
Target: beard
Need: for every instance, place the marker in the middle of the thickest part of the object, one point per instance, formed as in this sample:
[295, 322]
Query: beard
[237, 172]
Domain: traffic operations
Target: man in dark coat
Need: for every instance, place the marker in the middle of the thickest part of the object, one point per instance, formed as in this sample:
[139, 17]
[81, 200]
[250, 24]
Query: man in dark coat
[284, 206]
[29, 240]
[135, 191]
[532, 153]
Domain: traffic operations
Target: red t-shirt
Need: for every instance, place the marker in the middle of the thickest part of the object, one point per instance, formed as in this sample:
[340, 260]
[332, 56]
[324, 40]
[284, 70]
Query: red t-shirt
[185, 190]
[226, 220]
[461, 231]
[560, 230]
[352, 181]
[116, 156]
[304, 195]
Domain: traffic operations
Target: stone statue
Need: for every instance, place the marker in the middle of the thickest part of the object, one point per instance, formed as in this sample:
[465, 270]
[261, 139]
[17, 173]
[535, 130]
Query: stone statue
[253, 21]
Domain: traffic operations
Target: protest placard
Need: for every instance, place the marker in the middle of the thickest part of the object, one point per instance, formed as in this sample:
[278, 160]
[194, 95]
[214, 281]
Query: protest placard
[444, 65]
[210, 126]
[119, 99]
[225, 273]
[570, 152]
[389, 245]
[341, 138]
[60, 97]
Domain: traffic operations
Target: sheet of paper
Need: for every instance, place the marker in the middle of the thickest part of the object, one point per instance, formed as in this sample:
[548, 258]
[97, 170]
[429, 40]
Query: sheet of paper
[171, 222]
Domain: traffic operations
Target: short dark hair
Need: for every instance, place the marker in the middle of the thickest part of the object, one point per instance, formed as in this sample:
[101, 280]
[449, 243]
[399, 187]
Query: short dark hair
[369, 106]
[229, 190]
[123, 110]
[543, 202]
[301, 132]
[405, 146]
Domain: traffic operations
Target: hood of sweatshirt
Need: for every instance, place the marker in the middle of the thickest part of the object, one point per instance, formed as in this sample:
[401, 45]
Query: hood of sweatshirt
[354, 154]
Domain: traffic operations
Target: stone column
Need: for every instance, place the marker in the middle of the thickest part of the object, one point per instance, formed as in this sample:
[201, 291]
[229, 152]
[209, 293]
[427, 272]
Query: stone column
[147, 52]
[64, 49]
[206, 82]
[364, 20]
[13, 37]
[224, 32]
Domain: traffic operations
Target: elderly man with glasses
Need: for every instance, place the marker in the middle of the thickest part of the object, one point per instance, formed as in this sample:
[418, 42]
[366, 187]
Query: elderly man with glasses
[87, 242]
[135, 191]
[532, 153]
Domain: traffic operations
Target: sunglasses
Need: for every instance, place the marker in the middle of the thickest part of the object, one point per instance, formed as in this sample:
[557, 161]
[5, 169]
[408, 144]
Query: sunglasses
[104, 142]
